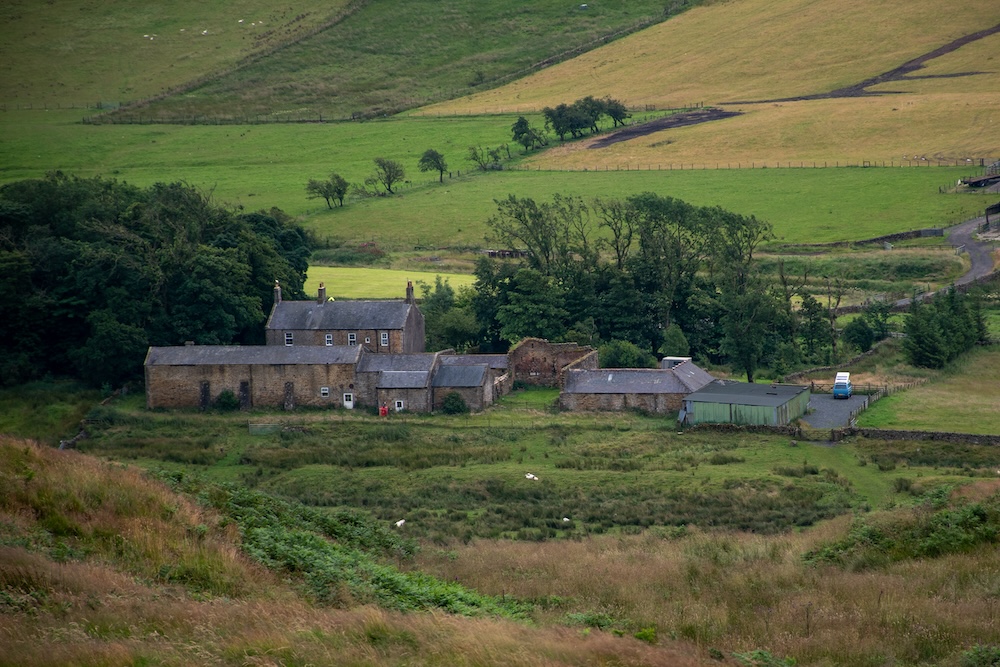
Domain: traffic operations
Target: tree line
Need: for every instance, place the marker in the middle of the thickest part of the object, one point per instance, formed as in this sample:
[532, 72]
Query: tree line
[649, 276]
[96, 270]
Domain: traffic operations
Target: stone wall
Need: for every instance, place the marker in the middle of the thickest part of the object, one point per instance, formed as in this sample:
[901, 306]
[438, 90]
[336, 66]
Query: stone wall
[414, 400]
[892, 434]
[286, 385]
[658, 404]
[538, 362]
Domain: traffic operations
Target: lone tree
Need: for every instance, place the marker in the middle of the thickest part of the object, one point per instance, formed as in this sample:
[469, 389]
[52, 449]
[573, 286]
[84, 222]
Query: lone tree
[333, 188]
[431, 160]
[387, 173]
[527, 136]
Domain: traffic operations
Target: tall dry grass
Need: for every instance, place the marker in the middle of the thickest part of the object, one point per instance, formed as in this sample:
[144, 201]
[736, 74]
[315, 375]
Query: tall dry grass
[744, 592]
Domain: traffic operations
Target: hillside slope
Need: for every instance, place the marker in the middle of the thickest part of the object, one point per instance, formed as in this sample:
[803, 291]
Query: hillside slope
[101, 565]
[75, 52]
[734, 53]
[389, 56]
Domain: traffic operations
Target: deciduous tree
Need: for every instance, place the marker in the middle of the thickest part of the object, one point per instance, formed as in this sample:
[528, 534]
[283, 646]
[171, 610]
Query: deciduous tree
[431, 160]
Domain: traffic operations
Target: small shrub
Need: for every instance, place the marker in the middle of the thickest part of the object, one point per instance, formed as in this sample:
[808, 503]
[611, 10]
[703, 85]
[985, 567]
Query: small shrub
[981, 655]
[647, 635]
[454, 404]
[226, 401]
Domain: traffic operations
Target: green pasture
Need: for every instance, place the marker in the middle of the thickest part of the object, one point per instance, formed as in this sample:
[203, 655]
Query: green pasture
[260, 166]
[965, 398]
[388, 56]
[465, 476]
[363, 283]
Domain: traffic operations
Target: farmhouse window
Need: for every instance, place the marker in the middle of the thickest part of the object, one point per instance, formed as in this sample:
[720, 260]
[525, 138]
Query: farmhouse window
[324, 392]
[352, 339]
[384, 338]
[329, 340]
[289, 338]
[399, 406]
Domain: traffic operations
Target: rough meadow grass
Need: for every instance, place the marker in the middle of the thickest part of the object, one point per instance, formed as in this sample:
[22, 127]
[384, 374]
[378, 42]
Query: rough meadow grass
[965, 398]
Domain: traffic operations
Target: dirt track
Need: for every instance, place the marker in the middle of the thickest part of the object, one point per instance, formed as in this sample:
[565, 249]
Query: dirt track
[665, 123]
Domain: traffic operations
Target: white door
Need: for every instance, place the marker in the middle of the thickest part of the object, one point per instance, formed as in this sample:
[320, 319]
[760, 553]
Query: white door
[349, 401]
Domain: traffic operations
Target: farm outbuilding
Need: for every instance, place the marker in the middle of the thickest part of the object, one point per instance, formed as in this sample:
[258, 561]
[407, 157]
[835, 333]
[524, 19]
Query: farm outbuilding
[726, 402]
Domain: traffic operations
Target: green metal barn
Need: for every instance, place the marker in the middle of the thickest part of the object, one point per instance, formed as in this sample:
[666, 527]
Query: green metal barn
[724, 402]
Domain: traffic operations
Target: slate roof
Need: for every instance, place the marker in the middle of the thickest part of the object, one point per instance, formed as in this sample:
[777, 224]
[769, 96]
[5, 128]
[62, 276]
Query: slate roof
[743, 393]
[691, 376]
[254, 355]
[624, 381]
[338, 315]
[402, 380]
[460, 376]
[494, 361]
[373, 363]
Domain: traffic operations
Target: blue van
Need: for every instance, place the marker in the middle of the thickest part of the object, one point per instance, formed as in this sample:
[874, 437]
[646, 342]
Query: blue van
[842, 387]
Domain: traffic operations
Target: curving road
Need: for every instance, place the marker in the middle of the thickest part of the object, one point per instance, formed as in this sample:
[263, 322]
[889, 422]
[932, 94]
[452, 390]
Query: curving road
[980, 254]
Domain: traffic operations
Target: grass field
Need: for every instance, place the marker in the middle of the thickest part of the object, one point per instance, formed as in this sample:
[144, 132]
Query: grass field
[361, 283]
[268, 165]
[796, 47]
[966, 399]
[73, 52]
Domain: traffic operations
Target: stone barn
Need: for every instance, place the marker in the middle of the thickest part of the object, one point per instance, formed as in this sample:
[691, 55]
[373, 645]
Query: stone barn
[380, 379]
[472, 383]
[656, 391]
[497, 366]
[193, 376]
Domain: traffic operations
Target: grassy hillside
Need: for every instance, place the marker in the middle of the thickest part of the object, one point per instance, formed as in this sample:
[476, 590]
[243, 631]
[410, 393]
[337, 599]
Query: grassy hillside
[75, 52]
[694, 590]
[793, 48]
[389, 56]
[101, 565]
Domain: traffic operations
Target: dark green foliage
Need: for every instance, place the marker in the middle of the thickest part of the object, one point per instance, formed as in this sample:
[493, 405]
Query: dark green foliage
[431, 160]
[939, 330]
[226, 401]
[331, 553]
[981, 655]
[623, 354]
[527, 136]
[859, 334]
[333, 189]
[674, 344]
[936, 529]
[99, 270]
[454, 404]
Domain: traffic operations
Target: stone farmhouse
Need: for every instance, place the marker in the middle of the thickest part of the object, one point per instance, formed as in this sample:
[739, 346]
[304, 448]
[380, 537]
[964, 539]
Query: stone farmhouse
[383, 327]
[331, 354]
[656, 391]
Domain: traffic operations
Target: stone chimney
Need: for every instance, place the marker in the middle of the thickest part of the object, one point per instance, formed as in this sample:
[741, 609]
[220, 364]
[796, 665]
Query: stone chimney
[321, 294]
[277, 292]
[409, 292]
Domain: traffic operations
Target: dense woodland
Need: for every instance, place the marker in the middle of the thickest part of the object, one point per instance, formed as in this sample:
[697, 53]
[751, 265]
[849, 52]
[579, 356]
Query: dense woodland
[95, 271]
[650, 276]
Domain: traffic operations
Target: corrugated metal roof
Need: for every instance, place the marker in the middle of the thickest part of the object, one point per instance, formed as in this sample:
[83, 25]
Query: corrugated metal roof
[623, 381]
[339, 315]
[211, 355]
[460, 376]
[402, 380]
[495, 361]
[373, 363]
[743, 393]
